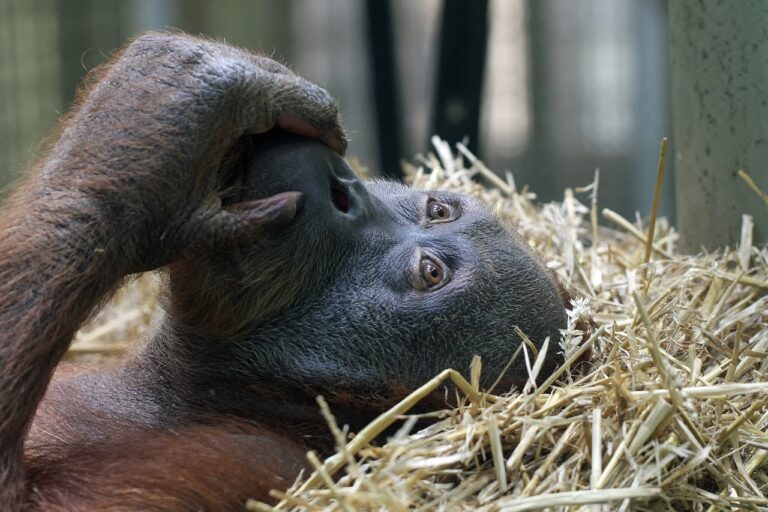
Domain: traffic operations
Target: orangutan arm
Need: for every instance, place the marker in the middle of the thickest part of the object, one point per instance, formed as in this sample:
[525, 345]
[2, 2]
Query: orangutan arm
[129, 182]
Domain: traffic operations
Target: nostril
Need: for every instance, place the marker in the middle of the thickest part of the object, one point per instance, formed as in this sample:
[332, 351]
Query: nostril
[340, 197]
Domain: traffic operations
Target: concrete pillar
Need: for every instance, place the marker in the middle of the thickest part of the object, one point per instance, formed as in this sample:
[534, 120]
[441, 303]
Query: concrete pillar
[719, 59]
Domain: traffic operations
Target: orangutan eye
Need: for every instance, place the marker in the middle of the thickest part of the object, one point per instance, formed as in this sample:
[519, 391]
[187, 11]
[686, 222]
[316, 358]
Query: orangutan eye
[438, 212]
[429, 271]
[432, 273]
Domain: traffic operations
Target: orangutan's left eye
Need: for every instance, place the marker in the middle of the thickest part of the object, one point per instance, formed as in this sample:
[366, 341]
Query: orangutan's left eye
[438, 212]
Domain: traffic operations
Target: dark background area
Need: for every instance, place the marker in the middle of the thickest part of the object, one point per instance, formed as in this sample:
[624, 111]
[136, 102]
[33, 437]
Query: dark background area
[547, 89]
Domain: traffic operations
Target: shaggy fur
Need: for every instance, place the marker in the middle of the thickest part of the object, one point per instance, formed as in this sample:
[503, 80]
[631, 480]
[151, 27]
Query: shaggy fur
[286, 277]
[129, 182]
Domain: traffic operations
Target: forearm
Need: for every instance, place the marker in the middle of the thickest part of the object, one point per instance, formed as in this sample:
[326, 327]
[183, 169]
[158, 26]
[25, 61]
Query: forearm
[50, 281]
[146, 142]
[91, 212]
[128, 184]
[142, 148]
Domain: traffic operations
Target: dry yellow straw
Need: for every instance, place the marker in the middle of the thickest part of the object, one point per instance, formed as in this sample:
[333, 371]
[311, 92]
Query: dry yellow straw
[655, 208]
[671, 413]
[751, 184]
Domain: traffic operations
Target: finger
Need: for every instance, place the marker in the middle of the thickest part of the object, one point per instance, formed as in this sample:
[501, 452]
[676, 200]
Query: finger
[292, 103]
[334, 139]
[245, 222]
[307, 109]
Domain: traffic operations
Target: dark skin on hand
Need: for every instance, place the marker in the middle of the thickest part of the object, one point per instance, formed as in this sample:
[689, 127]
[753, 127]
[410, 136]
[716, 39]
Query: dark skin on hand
[287, 277]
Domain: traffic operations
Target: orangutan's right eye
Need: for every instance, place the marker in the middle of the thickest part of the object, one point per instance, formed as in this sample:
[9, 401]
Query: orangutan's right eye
[430, 274]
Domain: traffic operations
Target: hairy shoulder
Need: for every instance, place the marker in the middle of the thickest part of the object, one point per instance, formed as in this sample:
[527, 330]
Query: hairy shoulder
[197, 467]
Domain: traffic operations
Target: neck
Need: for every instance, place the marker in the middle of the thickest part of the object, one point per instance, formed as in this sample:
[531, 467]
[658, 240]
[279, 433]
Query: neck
[200, 380]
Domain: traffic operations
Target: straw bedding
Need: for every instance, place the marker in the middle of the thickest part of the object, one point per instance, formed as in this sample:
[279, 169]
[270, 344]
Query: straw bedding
[671, 415]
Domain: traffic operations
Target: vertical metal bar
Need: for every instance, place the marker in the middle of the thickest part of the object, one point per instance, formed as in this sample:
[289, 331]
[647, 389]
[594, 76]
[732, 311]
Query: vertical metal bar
[384, 78]
[460, 71]
[538, 156]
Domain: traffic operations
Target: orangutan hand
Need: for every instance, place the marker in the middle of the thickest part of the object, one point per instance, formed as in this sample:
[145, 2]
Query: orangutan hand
[139, 162]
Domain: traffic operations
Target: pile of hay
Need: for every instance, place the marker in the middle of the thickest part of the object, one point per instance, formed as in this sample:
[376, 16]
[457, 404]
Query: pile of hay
[673, 414]
[127, 318]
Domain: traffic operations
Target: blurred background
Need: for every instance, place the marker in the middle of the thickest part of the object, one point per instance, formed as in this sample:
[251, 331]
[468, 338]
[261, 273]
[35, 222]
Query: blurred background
[550, 90]
[547, 89]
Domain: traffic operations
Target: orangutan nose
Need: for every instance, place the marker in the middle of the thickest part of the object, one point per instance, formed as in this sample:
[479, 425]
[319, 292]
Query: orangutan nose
[340, 196]
[349, 195]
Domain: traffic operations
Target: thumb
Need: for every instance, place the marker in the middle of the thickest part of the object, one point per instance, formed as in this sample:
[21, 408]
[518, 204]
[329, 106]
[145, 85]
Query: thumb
[244, 222]
[307, 109]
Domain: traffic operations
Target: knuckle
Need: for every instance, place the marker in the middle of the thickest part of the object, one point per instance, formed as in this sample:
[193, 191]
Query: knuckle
[153, 43]
[272, 66]
[309, 96]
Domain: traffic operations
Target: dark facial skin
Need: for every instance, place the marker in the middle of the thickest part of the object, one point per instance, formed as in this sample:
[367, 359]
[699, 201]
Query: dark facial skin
[395, 286]
[287, 277]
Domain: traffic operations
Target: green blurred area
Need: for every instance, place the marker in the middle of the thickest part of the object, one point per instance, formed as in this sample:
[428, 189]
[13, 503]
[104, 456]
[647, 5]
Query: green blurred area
[47, 47]
[567, 87]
